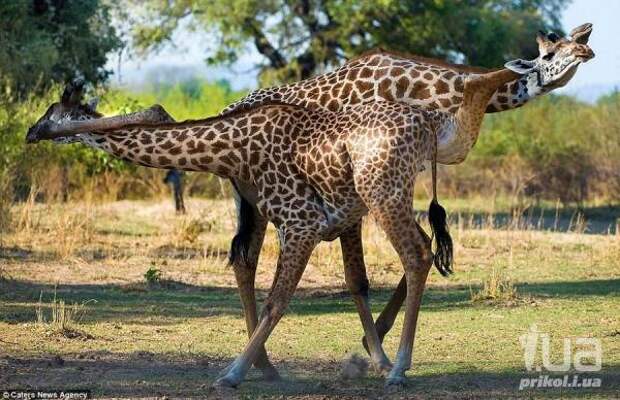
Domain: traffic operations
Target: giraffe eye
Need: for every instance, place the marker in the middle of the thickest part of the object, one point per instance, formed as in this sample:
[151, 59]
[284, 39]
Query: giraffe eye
[548, 56]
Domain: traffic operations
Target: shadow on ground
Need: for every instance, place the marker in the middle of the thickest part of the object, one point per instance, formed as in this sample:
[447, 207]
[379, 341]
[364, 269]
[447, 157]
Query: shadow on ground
[592, 220]
[171, 299]
[144, 374]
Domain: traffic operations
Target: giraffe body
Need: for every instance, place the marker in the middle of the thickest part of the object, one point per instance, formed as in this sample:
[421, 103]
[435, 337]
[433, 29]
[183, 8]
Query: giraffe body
[312, 157]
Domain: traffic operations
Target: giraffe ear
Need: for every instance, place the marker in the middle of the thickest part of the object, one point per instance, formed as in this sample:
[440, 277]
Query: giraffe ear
[520, 66]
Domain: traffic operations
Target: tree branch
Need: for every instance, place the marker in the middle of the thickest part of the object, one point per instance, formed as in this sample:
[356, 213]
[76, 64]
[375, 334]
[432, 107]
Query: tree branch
[264, 46]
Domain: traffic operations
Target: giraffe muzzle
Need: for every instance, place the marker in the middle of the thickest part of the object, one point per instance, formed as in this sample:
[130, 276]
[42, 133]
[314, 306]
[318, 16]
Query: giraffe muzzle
[41, 131]
[585, 53]
[33, 135]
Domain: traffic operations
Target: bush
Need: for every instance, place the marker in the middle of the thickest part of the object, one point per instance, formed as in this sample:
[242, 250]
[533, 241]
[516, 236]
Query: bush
[553, 148]
[152, 276]
[63, 171]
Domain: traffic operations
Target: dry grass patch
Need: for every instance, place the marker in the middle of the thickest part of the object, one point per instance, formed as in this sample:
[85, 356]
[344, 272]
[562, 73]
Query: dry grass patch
[62, 319]
[497, 288]
[189, 229]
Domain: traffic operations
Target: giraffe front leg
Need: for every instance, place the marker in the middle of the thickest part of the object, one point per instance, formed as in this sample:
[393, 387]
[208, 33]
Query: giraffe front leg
[414, 250]
[357, 282]
[296, 246]
[250, 230]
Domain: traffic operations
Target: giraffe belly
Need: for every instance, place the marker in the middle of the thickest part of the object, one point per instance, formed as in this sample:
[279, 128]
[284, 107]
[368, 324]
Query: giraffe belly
[451, 147]
[342, 216]
[340, 202]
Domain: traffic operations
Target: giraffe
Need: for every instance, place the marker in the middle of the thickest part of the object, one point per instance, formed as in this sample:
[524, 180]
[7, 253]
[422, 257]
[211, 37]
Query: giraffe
[316, 174]
[558, 60]
[384, 75]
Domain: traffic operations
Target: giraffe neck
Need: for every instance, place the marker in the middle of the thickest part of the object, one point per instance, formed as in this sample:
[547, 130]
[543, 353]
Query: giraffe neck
[457, 133]
[426, 83]
[516, 93]
[226, 146]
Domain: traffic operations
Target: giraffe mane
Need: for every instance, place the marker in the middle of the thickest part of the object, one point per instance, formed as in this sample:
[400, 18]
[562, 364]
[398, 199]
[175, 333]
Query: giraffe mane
[425, 60]
[215, 118]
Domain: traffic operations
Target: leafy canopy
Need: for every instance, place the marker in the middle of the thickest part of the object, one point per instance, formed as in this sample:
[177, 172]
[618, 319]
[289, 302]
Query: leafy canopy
[300, 38]
[45, 41]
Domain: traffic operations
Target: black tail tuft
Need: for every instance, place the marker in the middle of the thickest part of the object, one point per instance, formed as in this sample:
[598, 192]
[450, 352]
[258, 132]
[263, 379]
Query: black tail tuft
[443, 242]
[241, 242]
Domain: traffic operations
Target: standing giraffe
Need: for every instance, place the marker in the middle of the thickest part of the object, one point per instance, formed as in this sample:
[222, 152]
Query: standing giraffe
[382, 76]
[316, 173]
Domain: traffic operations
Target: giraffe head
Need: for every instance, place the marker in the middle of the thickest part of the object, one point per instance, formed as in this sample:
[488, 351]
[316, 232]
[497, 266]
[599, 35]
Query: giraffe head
[70, 121]
[69, 108]
[559, 57]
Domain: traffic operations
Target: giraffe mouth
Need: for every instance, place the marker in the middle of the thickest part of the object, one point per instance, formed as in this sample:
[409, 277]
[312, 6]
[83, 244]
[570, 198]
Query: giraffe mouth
[49, 130]
[566, 75]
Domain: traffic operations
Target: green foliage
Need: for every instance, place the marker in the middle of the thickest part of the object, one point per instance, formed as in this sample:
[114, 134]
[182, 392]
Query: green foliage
[77, 164]
[44, 41]
[555, 148]
[152, 276]
[297, 39]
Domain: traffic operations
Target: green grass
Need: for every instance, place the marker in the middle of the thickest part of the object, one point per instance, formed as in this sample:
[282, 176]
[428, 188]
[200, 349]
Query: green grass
[173, 338]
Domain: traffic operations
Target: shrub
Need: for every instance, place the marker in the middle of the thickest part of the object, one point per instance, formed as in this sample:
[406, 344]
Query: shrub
[64, 319]
[495, 288]
[152, 276]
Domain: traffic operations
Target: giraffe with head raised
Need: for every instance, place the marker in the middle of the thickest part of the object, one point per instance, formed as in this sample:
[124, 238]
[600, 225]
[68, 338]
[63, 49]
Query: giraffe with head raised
[315, 174]
[382, 75]
[387, 76]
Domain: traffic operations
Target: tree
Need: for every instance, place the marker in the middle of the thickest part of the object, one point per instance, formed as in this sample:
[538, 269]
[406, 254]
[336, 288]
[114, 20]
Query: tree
[300, 38]
[46, 41]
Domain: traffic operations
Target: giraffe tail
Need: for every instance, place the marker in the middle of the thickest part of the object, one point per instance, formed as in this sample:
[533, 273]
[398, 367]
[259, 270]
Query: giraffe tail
[443, 241]
[439, 225]
[240, 246]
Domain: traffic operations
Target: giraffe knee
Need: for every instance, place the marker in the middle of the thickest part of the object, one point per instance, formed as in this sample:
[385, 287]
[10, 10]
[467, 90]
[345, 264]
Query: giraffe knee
[424, 255]
[272, 311]
[358, 286]
[426, 249]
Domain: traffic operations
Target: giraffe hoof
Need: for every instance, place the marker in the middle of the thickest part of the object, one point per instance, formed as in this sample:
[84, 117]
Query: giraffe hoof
[383, 368]
[226, 382]
[271, 374]
[395, 384]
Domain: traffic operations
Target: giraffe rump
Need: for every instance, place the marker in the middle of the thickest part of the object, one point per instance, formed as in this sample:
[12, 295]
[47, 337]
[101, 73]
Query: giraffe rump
[443, 241]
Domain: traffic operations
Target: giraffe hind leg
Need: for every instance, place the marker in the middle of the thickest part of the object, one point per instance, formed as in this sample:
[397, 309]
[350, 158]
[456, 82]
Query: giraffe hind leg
[414, 250]
[357, 282]
[442, 259]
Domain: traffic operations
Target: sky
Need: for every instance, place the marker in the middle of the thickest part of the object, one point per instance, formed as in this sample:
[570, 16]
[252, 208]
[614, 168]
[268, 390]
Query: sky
[185, 58]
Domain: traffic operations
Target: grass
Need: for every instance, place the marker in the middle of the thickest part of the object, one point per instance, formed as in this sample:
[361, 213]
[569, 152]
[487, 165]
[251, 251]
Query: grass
[64, 320]
[496, 288]
[173, 338]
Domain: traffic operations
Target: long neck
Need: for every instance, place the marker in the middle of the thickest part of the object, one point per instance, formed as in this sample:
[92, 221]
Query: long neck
[516, 93]
[425, 83]
[220, 145]
[458, 133]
